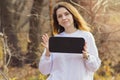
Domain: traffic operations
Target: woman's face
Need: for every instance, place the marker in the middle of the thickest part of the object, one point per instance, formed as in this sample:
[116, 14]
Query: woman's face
[64, 18]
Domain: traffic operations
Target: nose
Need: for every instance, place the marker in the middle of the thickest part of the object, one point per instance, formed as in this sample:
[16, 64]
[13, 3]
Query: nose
[63, 17]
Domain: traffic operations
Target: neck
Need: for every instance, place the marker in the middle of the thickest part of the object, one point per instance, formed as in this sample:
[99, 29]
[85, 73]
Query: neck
[70, 30]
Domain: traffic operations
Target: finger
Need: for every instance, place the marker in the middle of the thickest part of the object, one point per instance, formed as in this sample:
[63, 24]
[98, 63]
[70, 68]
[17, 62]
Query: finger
[45, 39]
[84, 52]
[85, 47]
[47, 36]
[43, 44]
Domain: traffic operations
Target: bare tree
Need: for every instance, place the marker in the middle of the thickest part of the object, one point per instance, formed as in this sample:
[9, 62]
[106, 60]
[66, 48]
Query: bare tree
[15, 17]
[34, 32]
[9, 27]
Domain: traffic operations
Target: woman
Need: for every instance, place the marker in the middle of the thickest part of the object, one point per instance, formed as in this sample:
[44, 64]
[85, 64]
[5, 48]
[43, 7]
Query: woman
[67, 22]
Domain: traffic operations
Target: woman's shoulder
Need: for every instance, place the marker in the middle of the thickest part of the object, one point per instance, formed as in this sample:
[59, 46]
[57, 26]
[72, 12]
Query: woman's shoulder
[59, 35]
[85, 32]
[87, 35]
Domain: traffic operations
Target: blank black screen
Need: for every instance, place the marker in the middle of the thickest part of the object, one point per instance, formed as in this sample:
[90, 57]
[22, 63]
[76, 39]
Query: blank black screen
[66, 44]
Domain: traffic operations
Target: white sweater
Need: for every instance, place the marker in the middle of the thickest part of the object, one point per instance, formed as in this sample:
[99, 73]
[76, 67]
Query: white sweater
[65, 66]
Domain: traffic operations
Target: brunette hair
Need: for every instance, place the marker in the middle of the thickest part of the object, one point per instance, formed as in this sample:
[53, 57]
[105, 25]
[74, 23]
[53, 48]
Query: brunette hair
[79, 22]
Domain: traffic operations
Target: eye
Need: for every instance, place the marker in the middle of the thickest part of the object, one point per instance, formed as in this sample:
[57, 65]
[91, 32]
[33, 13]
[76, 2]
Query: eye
[67, 13]
[59, 16]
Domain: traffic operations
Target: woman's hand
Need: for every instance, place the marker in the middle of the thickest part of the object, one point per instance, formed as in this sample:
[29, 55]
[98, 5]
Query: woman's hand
[85, 53]
[45, 43]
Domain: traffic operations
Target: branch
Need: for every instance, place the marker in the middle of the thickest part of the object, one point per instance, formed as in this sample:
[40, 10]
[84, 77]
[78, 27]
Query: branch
[4, 76]
[80, 6]
[1, 34]
[5, 52]
[107, 26]
[99, 4]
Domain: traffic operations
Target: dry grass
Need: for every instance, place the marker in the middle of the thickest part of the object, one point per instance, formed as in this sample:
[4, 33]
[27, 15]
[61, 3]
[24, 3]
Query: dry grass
[28, 73]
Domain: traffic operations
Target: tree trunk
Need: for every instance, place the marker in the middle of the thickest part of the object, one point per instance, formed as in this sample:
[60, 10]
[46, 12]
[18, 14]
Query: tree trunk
[8, 27]
[34, 32]
[15, 24]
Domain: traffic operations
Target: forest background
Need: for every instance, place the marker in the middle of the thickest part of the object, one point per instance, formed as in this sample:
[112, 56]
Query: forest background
[23, 22]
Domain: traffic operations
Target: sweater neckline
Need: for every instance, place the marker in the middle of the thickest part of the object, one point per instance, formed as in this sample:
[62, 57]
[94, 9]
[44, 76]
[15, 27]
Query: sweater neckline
[71, 33]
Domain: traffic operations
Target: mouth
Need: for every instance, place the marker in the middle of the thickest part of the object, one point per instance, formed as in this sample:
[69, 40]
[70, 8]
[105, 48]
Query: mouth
[65, 21]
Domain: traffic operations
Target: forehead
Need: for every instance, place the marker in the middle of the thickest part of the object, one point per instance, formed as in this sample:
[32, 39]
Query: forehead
[61, 10]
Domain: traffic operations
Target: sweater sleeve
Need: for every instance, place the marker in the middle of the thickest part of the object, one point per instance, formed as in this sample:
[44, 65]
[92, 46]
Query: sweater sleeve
[93, 62]
[45, 64]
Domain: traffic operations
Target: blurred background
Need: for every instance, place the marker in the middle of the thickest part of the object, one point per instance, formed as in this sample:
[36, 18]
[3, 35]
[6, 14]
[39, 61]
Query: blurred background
[23, 22]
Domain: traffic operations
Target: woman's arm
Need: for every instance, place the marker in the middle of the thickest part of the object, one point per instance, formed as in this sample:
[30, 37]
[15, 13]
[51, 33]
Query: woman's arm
[46, 59]
[45, 63]
[93, 61]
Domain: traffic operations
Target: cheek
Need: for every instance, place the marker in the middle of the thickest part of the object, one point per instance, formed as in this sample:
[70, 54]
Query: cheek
[59, 21]
[72, 20]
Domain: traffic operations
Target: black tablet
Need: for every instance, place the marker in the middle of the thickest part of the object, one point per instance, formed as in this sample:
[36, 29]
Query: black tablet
[66, 44]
